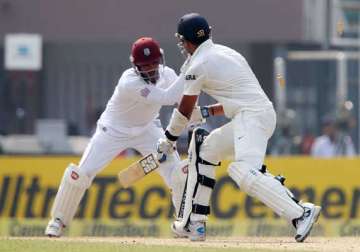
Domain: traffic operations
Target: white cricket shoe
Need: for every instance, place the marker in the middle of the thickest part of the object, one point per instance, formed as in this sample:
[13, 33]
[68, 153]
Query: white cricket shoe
[54, 228]
[305, 223]
[177, 236]
[195, 230]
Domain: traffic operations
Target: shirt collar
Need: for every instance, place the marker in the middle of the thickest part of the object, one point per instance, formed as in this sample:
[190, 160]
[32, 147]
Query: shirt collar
[203, 46]
[207, 44]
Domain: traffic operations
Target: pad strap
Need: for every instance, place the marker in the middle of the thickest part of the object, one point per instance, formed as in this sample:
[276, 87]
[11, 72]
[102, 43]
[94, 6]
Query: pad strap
[200, 209]
[202, 161]
[206, 181]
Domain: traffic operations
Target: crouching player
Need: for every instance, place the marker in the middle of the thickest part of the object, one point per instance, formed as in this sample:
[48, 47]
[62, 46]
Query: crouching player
[129, 121]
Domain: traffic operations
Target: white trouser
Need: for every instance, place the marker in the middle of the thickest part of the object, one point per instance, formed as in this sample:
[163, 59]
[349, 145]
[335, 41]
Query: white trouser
[104, 146]
[107, 143]
[245, 137]
[252, 131]
[244, 140]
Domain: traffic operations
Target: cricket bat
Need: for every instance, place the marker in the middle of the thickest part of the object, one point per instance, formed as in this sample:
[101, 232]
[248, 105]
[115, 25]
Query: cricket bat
[144, 166]
[139, 169]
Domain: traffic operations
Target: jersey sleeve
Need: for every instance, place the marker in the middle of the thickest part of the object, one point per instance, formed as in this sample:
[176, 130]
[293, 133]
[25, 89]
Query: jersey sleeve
[194, 78]
[151, 94]
[171, 76]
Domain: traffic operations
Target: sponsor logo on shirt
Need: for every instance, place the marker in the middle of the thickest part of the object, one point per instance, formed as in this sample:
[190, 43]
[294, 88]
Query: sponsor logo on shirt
[190, 77]
[145, 92]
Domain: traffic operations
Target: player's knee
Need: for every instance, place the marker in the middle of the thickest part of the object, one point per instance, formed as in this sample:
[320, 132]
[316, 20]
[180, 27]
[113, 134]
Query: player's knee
[209, 155]
[210, 152]
[243, 174]
[77, 177]
[86, 170]
[210, 149]
[203, 148]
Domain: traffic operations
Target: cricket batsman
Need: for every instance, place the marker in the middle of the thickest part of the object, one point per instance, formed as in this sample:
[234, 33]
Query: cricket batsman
[224, 74]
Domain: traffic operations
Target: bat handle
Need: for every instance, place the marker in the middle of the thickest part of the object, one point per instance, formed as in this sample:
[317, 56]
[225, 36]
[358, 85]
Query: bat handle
[161, 157]
[190, 132]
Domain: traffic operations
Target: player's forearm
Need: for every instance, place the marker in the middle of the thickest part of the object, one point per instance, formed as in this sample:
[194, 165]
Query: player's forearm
[174, 92]
[160, 97]
[168, 96]
[212, 110]
[187, 104]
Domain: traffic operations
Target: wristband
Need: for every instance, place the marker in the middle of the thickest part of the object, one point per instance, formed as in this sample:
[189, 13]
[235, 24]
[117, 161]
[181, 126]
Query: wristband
[205, 112]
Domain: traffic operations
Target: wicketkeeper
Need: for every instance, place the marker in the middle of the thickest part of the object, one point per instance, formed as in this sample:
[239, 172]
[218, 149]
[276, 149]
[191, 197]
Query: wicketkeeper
[129, 121]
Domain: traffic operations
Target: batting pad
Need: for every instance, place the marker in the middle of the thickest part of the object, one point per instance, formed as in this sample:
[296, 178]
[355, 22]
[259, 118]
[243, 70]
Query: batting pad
[265, 188]
[71, 190]
[203, 193]
[187, 204]
[200, 183]
[178, 183]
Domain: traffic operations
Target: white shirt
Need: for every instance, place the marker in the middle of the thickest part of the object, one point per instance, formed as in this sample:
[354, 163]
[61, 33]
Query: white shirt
[325, 148]
[224, 74]
[135, 103]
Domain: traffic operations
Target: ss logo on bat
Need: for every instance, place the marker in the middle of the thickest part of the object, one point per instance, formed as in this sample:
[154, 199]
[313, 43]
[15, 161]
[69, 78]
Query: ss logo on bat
[148, 164]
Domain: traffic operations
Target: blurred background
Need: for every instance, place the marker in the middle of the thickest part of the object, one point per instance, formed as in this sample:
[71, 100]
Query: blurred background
[60, 62]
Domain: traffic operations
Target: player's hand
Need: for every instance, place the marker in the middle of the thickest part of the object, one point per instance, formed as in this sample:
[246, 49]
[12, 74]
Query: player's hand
[165, 146]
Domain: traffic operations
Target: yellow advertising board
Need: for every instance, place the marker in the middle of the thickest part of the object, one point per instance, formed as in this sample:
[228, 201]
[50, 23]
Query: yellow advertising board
[28, 186]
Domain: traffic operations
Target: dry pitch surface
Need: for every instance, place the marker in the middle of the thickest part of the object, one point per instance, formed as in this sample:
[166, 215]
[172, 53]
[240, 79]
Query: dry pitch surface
[86, 244]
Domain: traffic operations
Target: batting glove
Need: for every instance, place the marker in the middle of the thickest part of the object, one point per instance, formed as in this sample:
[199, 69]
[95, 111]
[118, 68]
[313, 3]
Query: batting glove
[165, 146]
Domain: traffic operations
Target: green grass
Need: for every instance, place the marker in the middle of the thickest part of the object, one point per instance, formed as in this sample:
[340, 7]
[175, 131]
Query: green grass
[18, 245]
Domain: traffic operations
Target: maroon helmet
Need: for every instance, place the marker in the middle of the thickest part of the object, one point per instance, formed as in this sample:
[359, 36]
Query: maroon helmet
[146, 56]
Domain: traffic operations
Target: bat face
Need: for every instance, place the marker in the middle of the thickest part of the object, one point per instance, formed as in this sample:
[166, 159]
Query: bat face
[137, 170]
